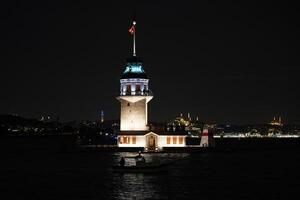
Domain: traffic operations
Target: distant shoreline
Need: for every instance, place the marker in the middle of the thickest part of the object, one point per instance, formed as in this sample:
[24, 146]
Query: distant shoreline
[63, 144]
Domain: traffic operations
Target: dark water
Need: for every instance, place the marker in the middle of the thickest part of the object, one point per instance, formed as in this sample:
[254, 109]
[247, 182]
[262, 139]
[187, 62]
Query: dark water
[241, 174]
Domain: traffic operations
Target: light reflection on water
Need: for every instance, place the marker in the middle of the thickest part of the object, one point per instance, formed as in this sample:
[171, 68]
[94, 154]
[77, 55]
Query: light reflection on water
[139, 185]
[270, 174]
[209, 176]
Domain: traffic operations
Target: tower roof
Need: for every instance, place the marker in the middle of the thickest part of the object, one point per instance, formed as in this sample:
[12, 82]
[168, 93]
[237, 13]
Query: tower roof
[134, 69]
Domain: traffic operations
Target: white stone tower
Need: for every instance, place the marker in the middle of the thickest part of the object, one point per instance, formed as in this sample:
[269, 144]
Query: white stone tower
[134, 93]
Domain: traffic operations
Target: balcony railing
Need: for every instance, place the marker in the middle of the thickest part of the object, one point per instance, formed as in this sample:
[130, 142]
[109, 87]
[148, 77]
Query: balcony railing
[137, 93]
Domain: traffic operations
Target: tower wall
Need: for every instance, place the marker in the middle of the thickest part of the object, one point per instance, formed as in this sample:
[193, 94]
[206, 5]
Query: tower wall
[133, 114]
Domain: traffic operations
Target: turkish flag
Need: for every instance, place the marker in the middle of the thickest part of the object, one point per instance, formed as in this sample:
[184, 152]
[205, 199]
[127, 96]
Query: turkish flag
[132, 29]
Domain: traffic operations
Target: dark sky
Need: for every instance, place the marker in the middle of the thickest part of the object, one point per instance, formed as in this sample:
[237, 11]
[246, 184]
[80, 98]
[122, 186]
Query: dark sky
[226, 62]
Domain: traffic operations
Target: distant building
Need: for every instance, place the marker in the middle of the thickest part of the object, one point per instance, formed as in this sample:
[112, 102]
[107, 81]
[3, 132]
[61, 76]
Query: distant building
[102, 116]
[276, 122]
[193, 127]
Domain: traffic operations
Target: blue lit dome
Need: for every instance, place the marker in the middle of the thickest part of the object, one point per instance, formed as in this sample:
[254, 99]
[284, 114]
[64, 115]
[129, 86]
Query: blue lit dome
[134, 69]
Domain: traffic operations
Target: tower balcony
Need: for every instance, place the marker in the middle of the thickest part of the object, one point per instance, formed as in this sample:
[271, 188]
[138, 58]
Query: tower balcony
[137, 93]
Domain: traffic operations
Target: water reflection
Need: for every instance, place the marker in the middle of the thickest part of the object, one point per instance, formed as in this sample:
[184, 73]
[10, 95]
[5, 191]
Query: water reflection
[139, 185]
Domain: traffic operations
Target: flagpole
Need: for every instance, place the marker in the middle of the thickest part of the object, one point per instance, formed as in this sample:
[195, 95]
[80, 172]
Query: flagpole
[134, 51]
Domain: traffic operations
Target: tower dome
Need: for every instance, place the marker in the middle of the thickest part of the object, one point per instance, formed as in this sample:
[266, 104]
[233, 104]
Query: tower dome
[134, 69]
[134, 80]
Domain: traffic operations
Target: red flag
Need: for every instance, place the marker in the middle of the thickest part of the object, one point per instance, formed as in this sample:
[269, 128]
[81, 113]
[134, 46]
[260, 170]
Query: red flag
[132, 29]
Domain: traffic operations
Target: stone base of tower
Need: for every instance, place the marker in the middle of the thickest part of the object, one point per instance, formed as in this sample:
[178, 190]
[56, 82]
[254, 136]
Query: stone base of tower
[134, 113]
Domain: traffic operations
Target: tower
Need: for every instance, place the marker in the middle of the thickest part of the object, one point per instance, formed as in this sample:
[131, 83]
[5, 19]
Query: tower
[279, 120]
[207, 139]
[134, 93]
[102, 116]
[189, 117]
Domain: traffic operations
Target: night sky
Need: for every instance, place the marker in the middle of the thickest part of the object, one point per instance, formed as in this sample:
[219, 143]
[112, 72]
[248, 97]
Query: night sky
[226, 62]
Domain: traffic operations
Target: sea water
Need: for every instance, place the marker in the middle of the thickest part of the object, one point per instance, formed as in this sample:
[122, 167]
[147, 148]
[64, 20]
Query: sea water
[250, 173]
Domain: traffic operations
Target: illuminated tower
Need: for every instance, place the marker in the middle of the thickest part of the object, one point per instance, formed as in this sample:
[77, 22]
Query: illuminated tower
[279, 121]
[134, 93]
[102, 116]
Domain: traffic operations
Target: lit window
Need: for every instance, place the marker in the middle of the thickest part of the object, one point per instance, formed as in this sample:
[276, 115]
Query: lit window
[120, 140]
[168, 140]
[126, 140]
[175, 140]
[133, 139]
[180, 140]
